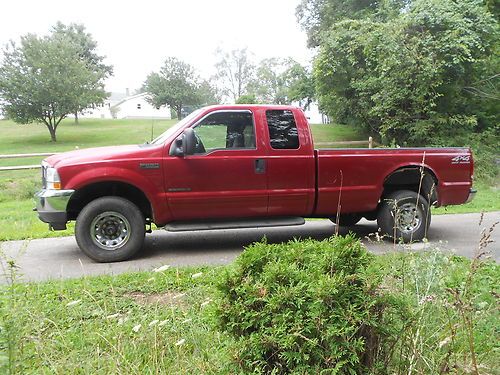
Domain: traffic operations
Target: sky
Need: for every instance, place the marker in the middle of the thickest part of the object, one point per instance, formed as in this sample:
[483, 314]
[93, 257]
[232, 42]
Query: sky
[137, 36]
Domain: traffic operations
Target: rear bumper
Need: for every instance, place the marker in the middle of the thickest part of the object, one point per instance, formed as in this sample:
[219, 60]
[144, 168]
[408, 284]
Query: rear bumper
[51, 207]
[472, 194]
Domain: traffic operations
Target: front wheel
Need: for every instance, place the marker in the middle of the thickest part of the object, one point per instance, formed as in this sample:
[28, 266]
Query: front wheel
[404, 215]
[110, 229]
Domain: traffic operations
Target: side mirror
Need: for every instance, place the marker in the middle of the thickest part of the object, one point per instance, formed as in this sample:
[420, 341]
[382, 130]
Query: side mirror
[184, 144]
[188, 141]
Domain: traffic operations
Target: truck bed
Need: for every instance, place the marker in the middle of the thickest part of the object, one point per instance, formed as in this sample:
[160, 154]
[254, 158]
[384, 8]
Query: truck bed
[353, 179]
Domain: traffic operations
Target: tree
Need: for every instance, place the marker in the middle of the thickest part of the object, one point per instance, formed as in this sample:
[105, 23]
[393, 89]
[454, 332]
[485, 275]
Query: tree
[271, 81]
[208, 94]
[408, 78]
[234, 71]
[301, 85]
[44, 79]
[87, 52]
[247, 99]
[176, 85]
[317, 16]
[282, 81]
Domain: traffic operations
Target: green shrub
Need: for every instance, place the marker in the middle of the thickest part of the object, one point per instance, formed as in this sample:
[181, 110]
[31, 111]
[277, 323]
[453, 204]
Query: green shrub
[304, 307]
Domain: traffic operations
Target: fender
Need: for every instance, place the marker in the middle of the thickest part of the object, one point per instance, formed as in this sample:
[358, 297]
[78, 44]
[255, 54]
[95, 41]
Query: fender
[97, 173]
[412, 165]
[428, 185]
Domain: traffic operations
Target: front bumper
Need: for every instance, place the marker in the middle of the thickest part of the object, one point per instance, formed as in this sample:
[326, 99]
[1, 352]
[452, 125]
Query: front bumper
[51, 207]
[472, 194]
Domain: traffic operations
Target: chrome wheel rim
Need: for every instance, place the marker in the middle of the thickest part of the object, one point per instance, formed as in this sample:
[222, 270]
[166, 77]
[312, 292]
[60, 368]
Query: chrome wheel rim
[110, 230]
[408, 218]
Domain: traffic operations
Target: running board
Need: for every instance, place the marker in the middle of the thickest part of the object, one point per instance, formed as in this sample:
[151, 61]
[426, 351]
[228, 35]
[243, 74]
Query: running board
[183, 226]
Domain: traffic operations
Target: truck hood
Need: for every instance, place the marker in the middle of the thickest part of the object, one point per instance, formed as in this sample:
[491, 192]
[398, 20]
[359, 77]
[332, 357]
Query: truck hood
[101, 154]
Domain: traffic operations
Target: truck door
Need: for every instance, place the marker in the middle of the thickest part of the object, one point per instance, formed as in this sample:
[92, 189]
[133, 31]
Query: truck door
[290, 163]
[226, 177]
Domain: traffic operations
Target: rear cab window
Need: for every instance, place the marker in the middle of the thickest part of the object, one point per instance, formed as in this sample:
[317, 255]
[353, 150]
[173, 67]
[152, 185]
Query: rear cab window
[283, 134]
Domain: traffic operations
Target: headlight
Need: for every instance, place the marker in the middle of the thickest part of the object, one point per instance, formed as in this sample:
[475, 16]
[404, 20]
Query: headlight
[52, 179]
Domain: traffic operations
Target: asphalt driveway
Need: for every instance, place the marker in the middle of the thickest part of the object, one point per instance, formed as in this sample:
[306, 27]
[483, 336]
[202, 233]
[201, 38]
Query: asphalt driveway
[55, 258]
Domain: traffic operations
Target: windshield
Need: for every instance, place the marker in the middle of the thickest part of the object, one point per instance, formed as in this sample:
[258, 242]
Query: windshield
[164, 136]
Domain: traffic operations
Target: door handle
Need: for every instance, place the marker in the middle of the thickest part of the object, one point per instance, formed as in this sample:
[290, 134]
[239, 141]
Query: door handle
[260, 166]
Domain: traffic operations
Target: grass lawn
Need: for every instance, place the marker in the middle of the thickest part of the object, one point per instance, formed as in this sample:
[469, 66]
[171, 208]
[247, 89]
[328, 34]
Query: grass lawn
[35, 138]
[17, 221]
[337, 133]
[161, 322]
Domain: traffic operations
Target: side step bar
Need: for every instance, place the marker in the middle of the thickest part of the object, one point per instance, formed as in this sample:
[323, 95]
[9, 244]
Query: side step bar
[182, 226]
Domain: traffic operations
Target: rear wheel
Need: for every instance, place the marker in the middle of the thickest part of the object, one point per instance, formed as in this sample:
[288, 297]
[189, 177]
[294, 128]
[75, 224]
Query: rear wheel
[404, 215]
[110, 229]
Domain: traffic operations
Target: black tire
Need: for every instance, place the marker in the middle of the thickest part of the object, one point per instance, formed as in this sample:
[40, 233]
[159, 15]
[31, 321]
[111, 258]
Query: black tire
[110, 229]
[404, 215]
[347, 220]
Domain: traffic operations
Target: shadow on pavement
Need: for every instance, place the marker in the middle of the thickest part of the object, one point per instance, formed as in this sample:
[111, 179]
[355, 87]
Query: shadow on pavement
[163, 242]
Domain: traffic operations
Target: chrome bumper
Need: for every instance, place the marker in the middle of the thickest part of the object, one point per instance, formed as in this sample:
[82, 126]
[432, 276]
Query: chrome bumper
[51, 207]
[472, 194]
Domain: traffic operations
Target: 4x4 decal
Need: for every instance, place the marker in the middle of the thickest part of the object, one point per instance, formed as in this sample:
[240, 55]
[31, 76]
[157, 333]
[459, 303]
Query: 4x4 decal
[461, 159]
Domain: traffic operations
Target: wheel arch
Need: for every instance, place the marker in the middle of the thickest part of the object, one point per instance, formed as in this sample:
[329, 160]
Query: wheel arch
[86, 194]
[418, 178]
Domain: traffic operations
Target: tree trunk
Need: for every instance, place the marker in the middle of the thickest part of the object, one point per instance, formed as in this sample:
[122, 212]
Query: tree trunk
[308, 103]
[179, 112]
[76, 118]
[52, 135]
[52, 132]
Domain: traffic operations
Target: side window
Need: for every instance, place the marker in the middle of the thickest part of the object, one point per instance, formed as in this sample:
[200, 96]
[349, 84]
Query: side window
[282, 129]
[223, 130]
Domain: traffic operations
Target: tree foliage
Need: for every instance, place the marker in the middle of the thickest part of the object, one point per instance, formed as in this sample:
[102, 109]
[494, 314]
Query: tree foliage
[247, 99]
[235, 71]
[282, 81]
[87, 52]
[415, 78]
[317, 16]
[301, 85]
[208, 94]
[43, 79]
[271, 81]
[177, 85]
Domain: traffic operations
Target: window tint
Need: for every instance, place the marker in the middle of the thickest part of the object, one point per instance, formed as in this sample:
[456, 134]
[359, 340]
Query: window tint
[282, 129]
[225, 130]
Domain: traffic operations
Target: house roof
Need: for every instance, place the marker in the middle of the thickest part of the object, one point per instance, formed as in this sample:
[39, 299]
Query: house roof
[127, 98]
[116, 96]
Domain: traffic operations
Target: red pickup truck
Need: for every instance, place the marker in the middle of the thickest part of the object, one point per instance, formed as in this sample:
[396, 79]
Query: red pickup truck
[243, 166]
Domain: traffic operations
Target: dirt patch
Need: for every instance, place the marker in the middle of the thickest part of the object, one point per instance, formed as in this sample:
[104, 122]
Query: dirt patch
[177, 299]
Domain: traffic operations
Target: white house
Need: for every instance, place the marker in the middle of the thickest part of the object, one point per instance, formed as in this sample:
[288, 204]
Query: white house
[313, 114]
[103, 111]
[122, 106]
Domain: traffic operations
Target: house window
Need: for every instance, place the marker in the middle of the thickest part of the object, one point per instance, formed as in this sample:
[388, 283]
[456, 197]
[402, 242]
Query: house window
[139, 106]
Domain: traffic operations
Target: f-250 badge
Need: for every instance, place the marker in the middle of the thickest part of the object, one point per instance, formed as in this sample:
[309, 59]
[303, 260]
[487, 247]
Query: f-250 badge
[461, 159]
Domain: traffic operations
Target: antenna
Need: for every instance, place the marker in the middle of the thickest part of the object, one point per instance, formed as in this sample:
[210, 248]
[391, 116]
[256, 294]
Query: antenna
[152, 129]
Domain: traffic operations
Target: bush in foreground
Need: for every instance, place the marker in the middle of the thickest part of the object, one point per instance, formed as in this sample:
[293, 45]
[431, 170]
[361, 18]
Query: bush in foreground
[304, 307]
